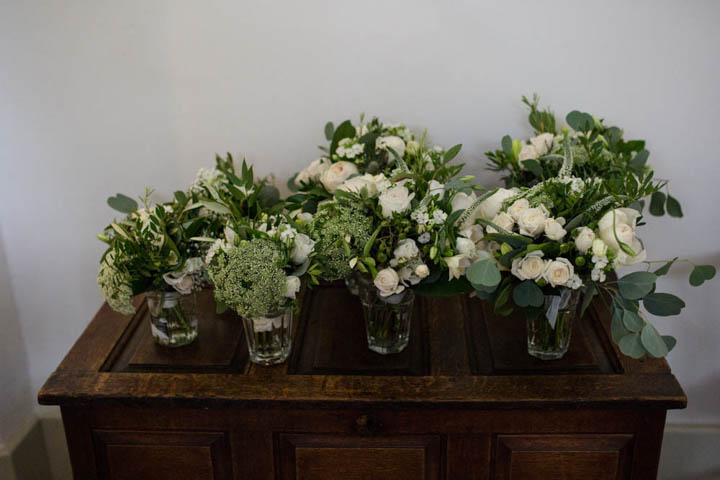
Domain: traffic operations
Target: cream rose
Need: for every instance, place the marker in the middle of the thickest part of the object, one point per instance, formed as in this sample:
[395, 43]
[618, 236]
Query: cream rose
[628, 216]
[356, 184]
[422, 271]
[532, 221]
[406, 248]
[584, 239]
[554, 230]
[395, 199]
[559, 272]
[530, 267]
[527, 152]
[396, 143]
[313, 171]
[336, 175]
[473, 232]
[387, 282]
[462, 201]
[301, 250]
[542, 143]
[599, 248]
[502, 220]
[491, 206]
[292, 286]
[518, 207]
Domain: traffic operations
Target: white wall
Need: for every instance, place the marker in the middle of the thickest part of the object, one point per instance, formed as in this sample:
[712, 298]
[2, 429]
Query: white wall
[102, 96]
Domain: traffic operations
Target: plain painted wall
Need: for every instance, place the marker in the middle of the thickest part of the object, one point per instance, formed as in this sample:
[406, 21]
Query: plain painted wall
[98, 97]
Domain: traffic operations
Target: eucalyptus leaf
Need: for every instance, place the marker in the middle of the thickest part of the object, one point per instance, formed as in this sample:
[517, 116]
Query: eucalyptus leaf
[580, 121]
[657, 204]
[670, 341]
[507, 145]
[617, 329]
[653, 342]
[444, 288]
[484, 272]
[701, 273]
[663, 304]
[636, 285]
[329, 130]
[533, 166]
[673, 207]
[632, 346]
[665, 268]
[269, 196]
[122, 203]
[528, 294]
[632, 321]
[291, 185]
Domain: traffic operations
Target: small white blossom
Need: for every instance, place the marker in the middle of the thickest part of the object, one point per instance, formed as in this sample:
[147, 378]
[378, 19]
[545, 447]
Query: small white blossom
[439, 217]
[424, 238]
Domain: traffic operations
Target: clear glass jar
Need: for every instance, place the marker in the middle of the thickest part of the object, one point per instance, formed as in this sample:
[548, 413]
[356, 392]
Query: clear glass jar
[173, 318]
[269, 338]
[548, 334]
[387, 319]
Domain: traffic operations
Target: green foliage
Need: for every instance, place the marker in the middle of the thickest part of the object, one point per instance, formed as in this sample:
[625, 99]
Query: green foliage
[636, 285]
[484, 273]
[701, 273]
[663, 304]
[122, 203]
[528, 294]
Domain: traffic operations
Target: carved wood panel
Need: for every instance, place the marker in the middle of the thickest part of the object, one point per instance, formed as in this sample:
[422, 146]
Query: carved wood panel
[329, 457]
[171, 455]
[566, 457]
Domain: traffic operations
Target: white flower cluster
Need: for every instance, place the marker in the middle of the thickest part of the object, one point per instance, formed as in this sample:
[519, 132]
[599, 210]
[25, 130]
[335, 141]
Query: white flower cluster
[349, 148]
[406, 267]
[536, 147]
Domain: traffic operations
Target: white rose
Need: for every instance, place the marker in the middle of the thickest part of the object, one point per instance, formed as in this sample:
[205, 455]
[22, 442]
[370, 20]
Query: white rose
[462, 201]
[436, 189]
[518, 207]
[465, 246]
[387, 282]
[554, 230]
[292, 286]
[491, 206]
[457, 265]
[407, 275]
[473, 232]
[356, 184]
[422, 271]
[502, 220]
[559, 272]
[396, 143]
[527, 152]
[313, 171]
[406, 248]
[625, 259]
[530, 267]
[338, 172]
[395, 199]
[532, 221]
[303, 247]
[304, 217]
[622, 232]
[599, 248]
[585, 239]
[542, 143]
[628, 216]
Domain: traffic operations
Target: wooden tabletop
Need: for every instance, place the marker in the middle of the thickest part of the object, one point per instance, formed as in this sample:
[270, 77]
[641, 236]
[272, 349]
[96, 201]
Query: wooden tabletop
[460, 354]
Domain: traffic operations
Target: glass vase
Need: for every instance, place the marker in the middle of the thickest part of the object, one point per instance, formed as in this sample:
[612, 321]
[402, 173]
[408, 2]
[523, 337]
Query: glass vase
[548, 334]
[173, 318]
[269, 338]
[387, 319]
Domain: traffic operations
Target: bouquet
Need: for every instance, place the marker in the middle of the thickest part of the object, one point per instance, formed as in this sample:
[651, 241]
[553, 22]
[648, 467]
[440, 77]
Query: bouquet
[563, 239]
[598, 151]
[363, 150]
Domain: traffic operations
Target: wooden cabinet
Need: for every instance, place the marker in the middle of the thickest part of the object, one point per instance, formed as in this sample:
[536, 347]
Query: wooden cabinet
[463, 401]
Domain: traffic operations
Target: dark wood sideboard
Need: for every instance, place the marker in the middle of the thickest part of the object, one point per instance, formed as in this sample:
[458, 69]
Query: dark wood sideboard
[463, 401]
